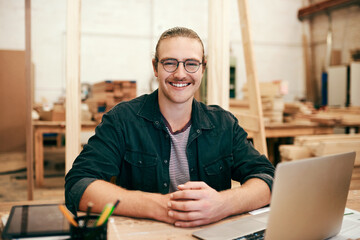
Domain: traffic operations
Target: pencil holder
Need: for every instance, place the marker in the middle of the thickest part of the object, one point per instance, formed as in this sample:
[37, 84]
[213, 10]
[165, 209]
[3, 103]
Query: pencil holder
[88, 231]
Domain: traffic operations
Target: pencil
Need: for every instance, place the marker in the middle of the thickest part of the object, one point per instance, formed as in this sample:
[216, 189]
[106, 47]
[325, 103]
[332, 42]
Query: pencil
[104, 214]
[88, 210]
[108, 210]
[68, 215]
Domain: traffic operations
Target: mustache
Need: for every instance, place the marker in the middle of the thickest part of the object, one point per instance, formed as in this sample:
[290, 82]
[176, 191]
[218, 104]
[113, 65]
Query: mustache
[174, 79]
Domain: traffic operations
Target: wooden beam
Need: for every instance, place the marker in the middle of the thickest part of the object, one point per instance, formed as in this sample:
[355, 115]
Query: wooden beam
[218, 79]
[73, 100]
[324, 6]
[29, 103]
[253, 84]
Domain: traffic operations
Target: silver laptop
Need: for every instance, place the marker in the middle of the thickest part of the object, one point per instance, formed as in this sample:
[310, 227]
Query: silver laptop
[308, 202]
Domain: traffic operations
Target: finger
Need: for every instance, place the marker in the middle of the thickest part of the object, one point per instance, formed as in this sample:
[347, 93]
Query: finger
[185, 216]
[187, 195]
[193, 185]
[184, 206]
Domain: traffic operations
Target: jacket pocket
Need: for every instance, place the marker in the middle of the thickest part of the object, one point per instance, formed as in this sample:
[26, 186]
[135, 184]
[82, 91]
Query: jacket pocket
[140, 171]
[218, 173]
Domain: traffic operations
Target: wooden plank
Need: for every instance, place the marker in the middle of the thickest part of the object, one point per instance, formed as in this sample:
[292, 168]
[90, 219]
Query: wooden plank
[309, 84]
[73, 99]
[218, 64]
[39, 158]
[302, 140]
[13, 101]
[339, 146]
[323, 6]
[29, 103]
[293, 152]
[253, 85]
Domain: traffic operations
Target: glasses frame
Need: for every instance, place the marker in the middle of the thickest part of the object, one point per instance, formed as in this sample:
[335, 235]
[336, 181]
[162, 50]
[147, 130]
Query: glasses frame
[178, 62]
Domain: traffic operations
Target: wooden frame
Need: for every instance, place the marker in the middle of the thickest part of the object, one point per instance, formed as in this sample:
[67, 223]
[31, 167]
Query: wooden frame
[73, 100]
[29, 105]
[218, 69]
[253, 122]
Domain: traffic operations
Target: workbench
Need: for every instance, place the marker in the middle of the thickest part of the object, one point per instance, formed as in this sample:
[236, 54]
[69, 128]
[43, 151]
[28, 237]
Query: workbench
[41, 127]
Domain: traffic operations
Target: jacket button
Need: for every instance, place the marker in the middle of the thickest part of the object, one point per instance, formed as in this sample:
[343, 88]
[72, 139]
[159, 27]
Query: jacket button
[140, 162]
[165, 185]
[165, 161]
[156, 123]
[198, 131]
[191, 170]
[220, 167]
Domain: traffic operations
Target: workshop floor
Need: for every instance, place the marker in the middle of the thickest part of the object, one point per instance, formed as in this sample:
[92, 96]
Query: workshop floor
[14, 184]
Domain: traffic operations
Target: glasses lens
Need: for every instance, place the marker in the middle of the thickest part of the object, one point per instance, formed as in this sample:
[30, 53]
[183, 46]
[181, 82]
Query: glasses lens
[170, 65]
[192, 66]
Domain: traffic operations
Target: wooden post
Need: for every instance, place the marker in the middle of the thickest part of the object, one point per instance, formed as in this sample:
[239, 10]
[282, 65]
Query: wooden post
[218, 54]
[253, 85]
[29, 104]
[73, 101]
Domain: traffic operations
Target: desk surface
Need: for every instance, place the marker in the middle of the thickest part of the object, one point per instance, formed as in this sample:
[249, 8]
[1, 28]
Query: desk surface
[130, 228]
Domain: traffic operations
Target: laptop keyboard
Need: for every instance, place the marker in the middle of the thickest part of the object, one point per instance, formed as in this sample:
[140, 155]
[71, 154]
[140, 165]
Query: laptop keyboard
[256, 235]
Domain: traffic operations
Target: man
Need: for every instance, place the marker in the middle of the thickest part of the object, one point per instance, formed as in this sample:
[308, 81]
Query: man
[171, 158]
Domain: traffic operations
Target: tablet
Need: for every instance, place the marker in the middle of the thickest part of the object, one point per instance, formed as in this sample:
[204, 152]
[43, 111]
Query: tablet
[27, 221]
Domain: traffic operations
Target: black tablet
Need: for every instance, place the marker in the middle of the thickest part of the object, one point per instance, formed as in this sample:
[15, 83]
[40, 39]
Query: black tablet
[26, 221]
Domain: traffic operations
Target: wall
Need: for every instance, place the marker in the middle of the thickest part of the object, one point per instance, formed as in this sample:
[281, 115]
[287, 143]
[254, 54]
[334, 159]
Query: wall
[119, 37]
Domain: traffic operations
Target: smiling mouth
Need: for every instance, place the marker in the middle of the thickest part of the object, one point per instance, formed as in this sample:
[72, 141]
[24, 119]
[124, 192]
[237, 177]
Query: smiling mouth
[179, 84]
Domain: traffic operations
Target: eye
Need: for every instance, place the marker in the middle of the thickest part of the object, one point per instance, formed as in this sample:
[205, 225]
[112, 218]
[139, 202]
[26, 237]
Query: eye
[170, 63]
[192, 63]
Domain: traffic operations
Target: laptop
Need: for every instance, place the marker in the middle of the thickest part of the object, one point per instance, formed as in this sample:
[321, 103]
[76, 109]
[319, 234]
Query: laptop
[308, 202]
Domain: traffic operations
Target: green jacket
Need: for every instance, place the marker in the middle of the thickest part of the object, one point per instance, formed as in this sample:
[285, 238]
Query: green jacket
[131, 146]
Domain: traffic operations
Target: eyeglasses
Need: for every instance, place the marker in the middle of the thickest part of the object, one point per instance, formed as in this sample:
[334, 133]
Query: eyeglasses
[170, 65]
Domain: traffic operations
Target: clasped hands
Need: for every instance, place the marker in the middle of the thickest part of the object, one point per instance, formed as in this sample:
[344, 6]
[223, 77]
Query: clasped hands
[195, 204]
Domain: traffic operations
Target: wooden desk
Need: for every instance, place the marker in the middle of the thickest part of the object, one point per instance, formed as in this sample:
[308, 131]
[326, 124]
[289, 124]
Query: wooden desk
[41, 127]
[126, 228]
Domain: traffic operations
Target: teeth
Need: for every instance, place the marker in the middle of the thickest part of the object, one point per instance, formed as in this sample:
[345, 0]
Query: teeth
[179, 84]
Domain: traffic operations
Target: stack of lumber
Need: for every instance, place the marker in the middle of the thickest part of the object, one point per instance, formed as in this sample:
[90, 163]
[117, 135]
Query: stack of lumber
[345, 116]
[321, 145]
[293, 109]
[271, 97]
[302, 112]
[105, 95]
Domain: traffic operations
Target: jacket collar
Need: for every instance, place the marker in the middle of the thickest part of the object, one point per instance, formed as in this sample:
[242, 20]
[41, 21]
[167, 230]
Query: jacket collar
[150, 110]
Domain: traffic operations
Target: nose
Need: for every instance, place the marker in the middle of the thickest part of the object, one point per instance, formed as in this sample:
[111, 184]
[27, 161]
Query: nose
[180, 72]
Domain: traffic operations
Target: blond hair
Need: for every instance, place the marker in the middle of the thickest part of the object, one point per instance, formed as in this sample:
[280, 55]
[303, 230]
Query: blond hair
[177, 32]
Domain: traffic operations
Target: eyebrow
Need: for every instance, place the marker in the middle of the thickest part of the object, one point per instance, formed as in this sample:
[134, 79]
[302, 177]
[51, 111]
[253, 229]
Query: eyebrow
[170, 58]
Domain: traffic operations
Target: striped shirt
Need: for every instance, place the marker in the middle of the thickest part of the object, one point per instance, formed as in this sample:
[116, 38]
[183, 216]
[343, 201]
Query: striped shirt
[178, 166]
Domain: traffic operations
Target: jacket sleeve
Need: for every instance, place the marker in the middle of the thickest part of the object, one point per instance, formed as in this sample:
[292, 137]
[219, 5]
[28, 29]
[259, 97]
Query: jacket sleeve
[248, 162]
[100, 159]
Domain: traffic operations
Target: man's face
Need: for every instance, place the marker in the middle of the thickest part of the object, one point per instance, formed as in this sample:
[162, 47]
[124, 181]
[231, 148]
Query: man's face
[179, 86]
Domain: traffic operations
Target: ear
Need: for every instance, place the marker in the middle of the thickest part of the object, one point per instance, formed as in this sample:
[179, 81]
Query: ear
[204, 66]
[155, 66]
